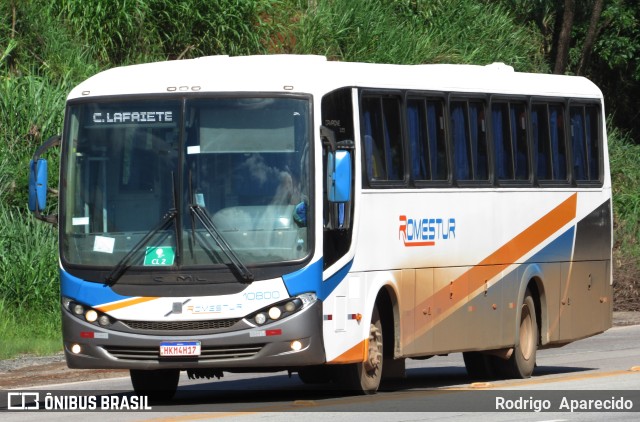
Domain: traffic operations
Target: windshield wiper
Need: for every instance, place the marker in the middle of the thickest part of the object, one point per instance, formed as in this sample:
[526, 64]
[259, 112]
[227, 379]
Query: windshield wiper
[202, 215]
[124, 264]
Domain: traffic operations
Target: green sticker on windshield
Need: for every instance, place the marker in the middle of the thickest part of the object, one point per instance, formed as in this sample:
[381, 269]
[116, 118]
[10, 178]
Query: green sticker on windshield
[159, 255]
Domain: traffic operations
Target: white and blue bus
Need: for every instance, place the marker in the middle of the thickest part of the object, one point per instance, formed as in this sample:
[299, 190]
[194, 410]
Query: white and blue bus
[268, 213]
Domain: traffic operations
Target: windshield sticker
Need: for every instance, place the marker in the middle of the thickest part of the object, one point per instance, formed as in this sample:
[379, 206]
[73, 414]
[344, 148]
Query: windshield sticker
[193, 149]
[80, 221]
[104, 244]
[159, 255]
[133, 117]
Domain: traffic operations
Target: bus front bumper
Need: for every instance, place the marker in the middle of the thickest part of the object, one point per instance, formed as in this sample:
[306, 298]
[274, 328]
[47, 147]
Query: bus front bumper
[293, 342]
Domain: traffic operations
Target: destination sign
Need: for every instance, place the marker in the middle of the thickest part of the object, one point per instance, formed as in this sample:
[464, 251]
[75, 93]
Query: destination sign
[133, 117]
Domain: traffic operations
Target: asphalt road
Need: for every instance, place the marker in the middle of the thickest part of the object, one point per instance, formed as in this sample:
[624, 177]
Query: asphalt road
[600, 371]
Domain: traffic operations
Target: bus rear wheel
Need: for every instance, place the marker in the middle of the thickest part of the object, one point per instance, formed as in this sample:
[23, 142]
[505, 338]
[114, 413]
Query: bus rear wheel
[523, 359]
[159, 385]
[364, 377]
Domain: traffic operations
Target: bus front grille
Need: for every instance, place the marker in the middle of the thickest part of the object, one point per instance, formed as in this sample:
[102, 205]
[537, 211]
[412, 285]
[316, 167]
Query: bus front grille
[206, 354]
[180, 325]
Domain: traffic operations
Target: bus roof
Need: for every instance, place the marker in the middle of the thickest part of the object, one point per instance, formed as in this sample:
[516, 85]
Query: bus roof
[315, 74]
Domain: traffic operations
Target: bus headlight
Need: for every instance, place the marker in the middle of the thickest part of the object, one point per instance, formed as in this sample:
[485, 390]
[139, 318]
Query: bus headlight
[91, 315]
[260, 319]
[282, 309]
[86, 313]
[275, 313]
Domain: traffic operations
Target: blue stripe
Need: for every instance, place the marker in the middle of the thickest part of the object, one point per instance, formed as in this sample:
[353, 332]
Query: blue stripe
[92, 294]
[309, 279]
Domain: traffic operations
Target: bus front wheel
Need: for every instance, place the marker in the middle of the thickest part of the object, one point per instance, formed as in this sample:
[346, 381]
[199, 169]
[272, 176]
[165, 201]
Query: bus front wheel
[159, 385]
[364, 377]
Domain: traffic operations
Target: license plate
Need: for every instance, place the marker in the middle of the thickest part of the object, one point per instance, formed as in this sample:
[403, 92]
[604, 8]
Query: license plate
[180, 348]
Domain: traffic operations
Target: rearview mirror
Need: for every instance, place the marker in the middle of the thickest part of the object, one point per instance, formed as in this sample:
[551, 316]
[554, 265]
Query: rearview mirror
[38, 181]
[38, 178]
[339, 176]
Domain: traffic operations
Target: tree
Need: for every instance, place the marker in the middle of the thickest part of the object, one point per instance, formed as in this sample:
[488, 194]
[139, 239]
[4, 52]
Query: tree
[564, 37]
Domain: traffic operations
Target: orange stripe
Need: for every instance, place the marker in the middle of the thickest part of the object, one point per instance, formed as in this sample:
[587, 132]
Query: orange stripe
[125, 303]
[457, 291]
[353, 355]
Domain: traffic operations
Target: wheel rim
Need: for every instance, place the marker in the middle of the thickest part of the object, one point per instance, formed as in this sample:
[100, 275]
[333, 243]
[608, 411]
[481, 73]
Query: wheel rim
[526, 333]
[374, 357]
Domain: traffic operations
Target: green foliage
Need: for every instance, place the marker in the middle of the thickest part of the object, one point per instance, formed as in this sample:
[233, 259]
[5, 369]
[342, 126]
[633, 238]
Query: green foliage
[110, 30]
[29, 330]
[31, 109]
[418, 31]
[118, 32]
[205, 27]
[624, 157]
[28, 258]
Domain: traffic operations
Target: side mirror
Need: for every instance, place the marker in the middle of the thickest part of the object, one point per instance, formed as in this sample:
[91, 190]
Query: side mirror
[38, 181]
[38, 177]
[339, 176]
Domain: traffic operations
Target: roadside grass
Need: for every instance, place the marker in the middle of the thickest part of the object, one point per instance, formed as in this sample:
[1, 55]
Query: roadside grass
[29, 331]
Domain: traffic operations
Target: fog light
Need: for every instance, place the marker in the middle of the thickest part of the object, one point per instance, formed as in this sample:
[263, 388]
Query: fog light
[275, 312]
[78, 309]
[75, 349]
[104, 320]
[260, 319]
[295, 345]
[91, 315]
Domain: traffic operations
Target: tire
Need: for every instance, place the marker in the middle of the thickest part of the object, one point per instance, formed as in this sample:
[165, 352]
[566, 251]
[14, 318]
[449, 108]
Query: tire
[317, 374]
[159, 385]
[479, 365]
[364, 377]
[523, 359]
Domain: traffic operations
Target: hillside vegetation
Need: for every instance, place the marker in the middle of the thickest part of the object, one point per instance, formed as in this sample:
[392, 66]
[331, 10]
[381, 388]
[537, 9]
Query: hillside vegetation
[48, 46]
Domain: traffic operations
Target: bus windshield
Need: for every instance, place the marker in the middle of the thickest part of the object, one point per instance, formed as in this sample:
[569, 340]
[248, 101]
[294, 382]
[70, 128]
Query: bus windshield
[241, 162]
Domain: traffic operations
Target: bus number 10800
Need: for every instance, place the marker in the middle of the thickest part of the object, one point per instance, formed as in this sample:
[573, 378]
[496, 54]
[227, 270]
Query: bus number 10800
[261, 295]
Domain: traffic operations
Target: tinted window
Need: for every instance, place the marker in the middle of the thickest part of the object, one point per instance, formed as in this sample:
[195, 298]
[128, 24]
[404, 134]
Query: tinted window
[585, 143]
[547, 121]
[469, 140]
[382, 138]
[427, 142]
[510, 141]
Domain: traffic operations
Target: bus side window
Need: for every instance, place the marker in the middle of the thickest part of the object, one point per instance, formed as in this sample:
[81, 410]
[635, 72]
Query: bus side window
[502, 141]
[427, 139]
[519, 141]
[459, 135]
[468, 131]
[541, 141]
[593, 141]
[382, 138]
[558, 149]
[580, 170]
[584, 143]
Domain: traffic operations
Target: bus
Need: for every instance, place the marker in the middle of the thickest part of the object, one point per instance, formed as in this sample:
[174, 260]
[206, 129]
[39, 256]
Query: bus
[331, 219]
